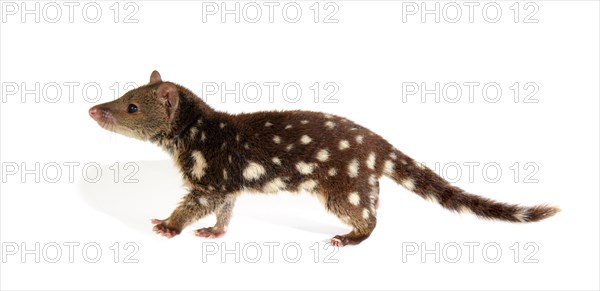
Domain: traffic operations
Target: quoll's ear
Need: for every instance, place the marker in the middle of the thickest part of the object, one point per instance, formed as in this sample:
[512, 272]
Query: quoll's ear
[155, 77]
[169, 97]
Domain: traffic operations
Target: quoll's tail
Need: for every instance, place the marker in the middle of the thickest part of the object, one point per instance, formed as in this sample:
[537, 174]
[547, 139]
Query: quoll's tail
[415, 177]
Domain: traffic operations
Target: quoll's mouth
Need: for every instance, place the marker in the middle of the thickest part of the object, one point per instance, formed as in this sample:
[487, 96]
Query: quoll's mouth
[103, 117]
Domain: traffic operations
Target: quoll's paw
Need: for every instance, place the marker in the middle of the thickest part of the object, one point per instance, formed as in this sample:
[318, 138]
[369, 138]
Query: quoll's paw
[209, 232]
[161, 228]
[338, 241]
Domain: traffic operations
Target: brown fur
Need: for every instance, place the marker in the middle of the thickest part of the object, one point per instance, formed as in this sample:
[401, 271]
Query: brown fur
[221, 155]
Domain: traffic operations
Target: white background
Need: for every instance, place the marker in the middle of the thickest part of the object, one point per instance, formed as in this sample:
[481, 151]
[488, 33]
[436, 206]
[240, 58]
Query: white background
[369, 54]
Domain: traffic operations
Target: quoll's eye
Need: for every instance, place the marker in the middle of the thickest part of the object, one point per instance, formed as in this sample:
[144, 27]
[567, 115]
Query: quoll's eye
[132, 108]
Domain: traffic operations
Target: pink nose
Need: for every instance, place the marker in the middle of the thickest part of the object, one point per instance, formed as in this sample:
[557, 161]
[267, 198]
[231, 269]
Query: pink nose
[94, 112]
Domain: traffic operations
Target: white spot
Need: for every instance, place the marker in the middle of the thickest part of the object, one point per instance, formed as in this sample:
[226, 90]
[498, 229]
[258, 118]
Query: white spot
[465, 210]
[365, 213]
[344, 144]
[276, 161]
[431, 198]
[305, 139]
[393, 155]
[193, 132]
[304, 121]
[409, 184]
[203, 136]
[323, 155]
[327, 115]
[288, 126]
[372, 180]
[274, 185]
[237, 137]
[199, 164]
[305, 168]
[246, 146]
[419, 165]
[308, 185]
[330, 124]
[332, 172]
[289, 147]
[221, 125]
[388, 167]
[253, 171]
[354, 128]
[353, 168]
[371, 161]
[223, 145]
[354, 198]
[203, 201]
[229, 158]
[267, 124]
[403, 161]
[224, 174]
[276, 139]
[521, 215]
[360, 139]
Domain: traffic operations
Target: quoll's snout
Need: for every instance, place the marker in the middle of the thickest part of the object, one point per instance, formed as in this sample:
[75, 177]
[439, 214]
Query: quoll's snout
[94, 112]
[101, 115]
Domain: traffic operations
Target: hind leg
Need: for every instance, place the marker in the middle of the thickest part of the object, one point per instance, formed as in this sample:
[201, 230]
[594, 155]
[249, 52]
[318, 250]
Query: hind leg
[358, 211]
[223, 217]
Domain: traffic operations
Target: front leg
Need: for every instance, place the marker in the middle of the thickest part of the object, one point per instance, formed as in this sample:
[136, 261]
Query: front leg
[192, 207]
[223, 217]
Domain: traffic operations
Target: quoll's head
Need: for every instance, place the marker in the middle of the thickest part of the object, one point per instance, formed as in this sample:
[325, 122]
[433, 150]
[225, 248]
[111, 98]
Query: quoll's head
[141, 113]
